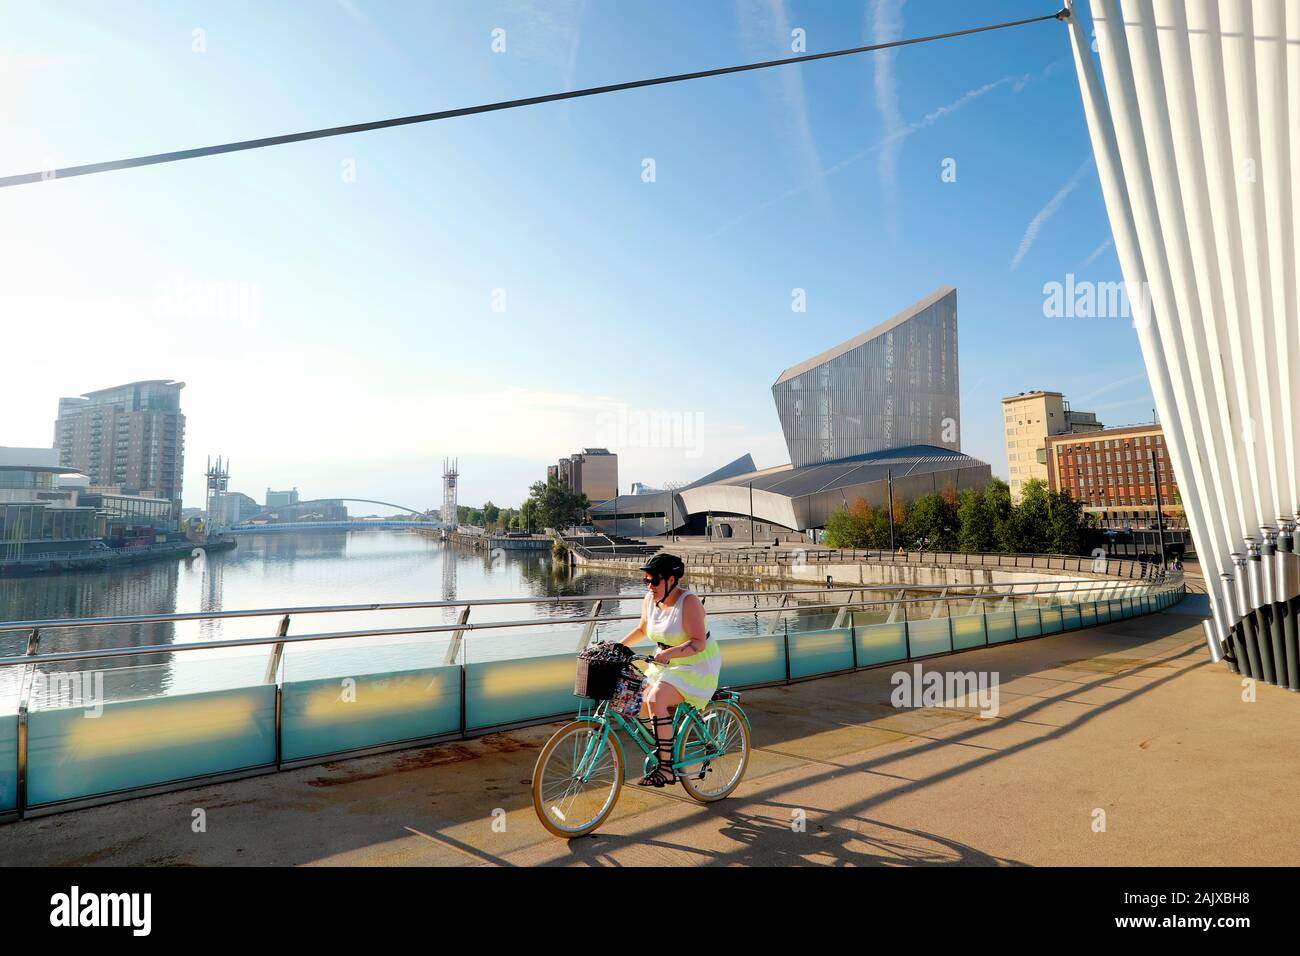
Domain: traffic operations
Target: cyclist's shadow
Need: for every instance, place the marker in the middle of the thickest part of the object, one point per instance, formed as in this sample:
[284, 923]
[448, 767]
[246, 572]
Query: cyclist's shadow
[768, 841]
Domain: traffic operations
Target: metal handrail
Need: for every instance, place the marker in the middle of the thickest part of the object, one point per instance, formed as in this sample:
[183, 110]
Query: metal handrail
[475, 602]
[461, 626]
[814, 553]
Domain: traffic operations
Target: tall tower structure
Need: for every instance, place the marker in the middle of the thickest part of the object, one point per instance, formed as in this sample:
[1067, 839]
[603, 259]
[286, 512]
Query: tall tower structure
[218, 476]
[450, 475]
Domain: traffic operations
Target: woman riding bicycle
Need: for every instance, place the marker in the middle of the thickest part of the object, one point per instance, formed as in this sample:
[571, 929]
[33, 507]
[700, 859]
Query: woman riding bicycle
[687, 664]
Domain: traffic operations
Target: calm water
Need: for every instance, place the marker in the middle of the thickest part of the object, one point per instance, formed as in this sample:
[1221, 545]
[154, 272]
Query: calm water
[295, 569]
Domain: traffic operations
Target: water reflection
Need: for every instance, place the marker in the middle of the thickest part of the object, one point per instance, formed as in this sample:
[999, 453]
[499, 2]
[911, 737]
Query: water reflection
[294, 569]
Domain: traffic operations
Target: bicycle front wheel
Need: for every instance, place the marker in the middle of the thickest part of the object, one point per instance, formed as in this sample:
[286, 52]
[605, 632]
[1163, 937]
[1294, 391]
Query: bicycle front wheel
[577, 780]
[716, 762]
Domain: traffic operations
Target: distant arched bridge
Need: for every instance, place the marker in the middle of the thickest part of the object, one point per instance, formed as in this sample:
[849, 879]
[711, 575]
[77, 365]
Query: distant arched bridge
[329, 501]
[348, 525]
[248, 523]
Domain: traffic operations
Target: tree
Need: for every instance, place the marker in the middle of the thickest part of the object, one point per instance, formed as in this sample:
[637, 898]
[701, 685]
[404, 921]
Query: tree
[557, 505]
[875, 524]
[1065, 529]
[931, 524]
[899, 510]
[1029, 519]
[842, 531]
[858, 526]
[490, 514]
[978, 521]
[975, 519]
[528, 515]
[997, 502]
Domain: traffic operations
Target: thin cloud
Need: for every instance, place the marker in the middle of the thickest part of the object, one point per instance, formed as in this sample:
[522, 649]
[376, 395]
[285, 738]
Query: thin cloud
[896, 137]
[550, 32]
[356, 14]
[1046, 213]
[353, 11]
[887, 25]
[1095, 253]
[1111, 386]
[759, 27]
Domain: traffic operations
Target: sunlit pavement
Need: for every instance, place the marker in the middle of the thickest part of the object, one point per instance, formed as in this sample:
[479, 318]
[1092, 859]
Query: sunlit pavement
[1115, 745]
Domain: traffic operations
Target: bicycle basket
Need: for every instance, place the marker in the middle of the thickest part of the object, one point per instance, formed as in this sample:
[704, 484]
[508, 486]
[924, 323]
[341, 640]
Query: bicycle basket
[599, 667]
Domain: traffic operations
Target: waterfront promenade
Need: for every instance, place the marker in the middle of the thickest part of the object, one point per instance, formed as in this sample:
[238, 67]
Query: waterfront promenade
[1128, 718]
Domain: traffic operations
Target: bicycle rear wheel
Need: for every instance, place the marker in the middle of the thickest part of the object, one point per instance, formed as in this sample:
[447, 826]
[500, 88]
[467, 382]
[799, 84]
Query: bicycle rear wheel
[568, 805]
[726, 748]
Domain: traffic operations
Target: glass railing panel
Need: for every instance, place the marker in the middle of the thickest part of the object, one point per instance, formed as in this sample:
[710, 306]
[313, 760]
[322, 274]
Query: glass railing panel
[96, 732]
[1070, 617]
[1001, 626]
[968, 631]
[506, 691]
[11, 679]
[813, 619]
[879, 640]
[1051, 618]
[545, 640]
[820, 652]
[752, 660]
[927, 635]
[8, 761]
[1027, 622]
[341, 698]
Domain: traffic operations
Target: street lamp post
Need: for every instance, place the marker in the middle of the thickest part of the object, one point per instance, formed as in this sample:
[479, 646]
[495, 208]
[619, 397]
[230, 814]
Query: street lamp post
[889, 503]
[1160, 508]
[751, 514]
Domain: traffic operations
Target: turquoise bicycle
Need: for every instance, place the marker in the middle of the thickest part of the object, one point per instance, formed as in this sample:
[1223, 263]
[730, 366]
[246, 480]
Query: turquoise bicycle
[579, 773]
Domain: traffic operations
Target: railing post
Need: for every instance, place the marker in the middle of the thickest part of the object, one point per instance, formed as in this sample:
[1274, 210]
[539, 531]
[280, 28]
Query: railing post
[839, 618]
[590, 627]
[453, 648]
[785, 633]
[942, 597]
[277, 653]
[777, 619]
[24, 694]
[273, 676]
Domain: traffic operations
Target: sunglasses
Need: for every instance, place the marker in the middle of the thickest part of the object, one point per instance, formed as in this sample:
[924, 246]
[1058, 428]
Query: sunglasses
[652, 580]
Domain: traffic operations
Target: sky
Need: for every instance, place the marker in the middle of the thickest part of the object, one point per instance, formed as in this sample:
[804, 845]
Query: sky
[505, 289]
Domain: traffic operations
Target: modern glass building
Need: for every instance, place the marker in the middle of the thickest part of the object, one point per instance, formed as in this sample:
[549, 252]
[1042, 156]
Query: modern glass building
[36, 515]
[893, 386]
[876, 412]
[129, 439]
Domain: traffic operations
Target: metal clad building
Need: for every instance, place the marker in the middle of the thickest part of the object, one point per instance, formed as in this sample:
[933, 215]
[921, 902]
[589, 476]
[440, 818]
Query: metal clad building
[893, 386]
[883, 406]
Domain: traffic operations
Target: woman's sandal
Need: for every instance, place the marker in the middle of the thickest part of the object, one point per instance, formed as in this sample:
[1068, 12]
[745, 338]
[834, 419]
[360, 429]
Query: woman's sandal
[661, 775]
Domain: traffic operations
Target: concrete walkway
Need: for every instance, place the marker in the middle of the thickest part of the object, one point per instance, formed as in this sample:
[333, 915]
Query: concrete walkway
[1127, 724]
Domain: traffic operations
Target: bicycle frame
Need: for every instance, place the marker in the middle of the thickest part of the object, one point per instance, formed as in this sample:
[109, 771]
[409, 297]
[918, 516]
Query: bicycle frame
[685, 714]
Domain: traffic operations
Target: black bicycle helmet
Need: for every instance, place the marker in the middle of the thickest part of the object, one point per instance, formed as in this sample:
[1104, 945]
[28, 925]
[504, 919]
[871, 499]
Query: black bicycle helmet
[666, 566]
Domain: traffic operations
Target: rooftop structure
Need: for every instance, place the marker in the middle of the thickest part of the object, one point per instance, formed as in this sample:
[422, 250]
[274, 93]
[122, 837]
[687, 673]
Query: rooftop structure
[892, 386]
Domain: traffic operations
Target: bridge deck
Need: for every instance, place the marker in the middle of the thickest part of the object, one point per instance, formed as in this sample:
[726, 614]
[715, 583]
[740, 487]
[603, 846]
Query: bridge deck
[1128, 718]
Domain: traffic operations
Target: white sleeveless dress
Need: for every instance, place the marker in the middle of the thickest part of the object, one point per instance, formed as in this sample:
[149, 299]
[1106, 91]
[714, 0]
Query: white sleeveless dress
[694, 676]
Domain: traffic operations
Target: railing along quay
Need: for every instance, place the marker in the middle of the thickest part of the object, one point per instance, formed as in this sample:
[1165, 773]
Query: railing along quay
[55, 757]
[759, 555]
